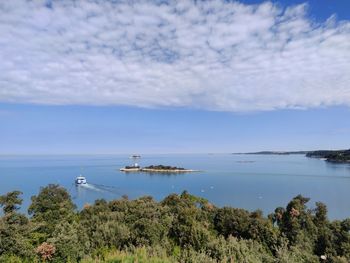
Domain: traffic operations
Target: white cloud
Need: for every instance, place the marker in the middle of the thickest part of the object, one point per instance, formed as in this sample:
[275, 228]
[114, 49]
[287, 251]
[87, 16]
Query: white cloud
[211, 55]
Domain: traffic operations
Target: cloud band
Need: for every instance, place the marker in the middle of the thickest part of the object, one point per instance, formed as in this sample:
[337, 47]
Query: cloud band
[210, 55]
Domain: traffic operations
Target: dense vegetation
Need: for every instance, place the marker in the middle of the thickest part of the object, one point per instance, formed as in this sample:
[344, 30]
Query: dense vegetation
[163, 167]
[181, 228]
[132, 167]
[340, 156]
[155, 168]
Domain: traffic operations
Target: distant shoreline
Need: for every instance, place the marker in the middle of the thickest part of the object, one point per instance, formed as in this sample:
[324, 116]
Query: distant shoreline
[332, 156]
[275, 152]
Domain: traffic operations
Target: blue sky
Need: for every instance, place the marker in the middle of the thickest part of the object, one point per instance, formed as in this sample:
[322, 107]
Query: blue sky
[104, 77]
[87, 129]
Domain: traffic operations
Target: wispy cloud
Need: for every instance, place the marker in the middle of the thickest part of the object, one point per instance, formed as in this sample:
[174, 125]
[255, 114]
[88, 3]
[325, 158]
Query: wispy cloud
[212, 55]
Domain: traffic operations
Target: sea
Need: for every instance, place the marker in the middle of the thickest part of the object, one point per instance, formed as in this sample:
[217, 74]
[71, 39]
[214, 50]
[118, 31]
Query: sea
[239, 180]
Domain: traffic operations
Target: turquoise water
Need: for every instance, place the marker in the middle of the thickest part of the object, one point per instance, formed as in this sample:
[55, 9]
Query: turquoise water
[264, 182]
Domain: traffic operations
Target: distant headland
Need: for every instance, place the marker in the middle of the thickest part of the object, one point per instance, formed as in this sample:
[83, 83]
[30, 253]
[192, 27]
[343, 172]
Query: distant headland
[338, 156]
[335, 156]
[276, 152]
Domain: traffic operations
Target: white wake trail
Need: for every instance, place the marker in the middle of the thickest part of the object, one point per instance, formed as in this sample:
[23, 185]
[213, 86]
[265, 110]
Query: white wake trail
[91, 187]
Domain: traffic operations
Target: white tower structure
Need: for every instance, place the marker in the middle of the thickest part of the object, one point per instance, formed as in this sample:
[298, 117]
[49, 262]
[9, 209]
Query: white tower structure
[135, 157]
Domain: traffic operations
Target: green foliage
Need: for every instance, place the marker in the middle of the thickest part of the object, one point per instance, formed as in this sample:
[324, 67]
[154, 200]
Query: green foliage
[14, 236]
[232, 249]
[181, 228]
[140, 255]
[339, 156]
[242, 224]
[67, 242]
[297, 223]
[51, 206]
[294, 254]
[163, 167]
[14, 230]
[10, 202]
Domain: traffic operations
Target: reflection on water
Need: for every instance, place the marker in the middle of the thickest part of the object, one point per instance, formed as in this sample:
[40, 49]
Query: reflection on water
[252, 182]
[338, 166]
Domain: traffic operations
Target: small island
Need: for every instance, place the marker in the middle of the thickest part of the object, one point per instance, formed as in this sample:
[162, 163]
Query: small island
[156, 169]
[135, 167]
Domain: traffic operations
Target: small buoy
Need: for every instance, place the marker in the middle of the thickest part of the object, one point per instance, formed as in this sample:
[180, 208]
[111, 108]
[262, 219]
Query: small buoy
[202, 190]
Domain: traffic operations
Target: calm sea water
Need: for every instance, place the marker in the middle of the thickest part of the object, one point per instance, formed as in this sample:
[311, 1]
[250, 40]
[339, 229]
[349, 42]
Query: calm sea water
[246, 181]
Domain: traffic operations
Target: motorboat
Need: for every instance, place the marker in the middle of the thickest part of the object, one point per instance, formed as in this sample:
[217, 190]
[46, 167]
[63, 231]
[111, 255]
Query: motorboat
[80, 180]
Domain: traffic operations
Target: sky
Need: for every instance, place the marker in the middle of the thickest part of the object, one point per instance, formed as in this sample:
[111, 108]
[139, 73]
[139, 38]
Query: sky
[174, 76]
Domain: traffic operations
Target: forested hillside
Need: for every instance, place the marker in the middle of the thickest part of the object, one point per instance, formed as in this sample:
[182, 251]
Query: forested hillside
[340, 156]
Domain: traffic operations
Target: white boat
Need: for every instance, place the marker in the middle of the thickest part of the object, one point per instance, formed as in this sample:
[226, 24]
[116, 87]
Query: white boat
[80, 180]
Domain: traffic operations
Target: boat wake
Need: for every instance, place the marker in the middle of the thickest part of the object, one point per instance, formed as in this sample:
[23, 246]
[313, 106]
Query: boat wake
[101, 188]
[90, 187]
